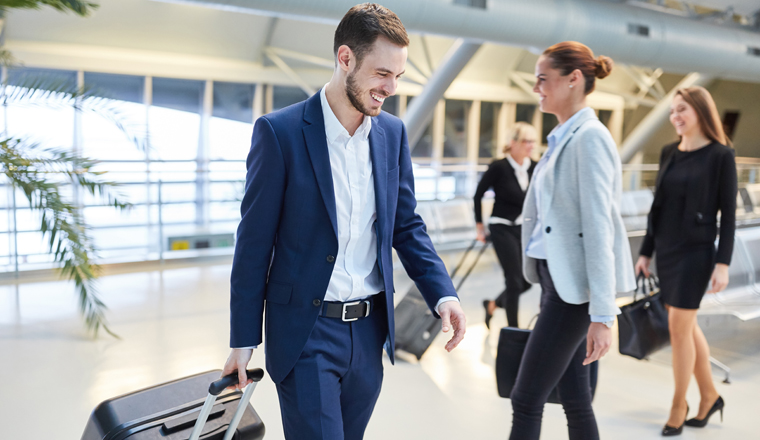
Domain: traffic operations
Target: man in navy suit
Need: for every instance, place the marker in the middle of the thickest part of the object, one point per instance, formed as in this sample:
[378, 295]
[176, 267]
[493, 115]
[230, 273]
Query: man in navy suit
[329, 192]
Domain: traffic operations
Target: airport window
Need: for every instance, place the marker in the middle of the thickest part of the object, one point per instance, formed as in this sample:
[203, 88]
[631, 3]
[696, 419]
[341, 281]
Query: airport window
[424, 146]
[487, 147]
[41, 77]
[549, 121]
[24, 120]
[101, 138]
[119, 87]
[284, 96]
[524, 113]
[175, 118]
[455, 129]
[178, 94]
[604, 117]
[233, 101]
[231, 123]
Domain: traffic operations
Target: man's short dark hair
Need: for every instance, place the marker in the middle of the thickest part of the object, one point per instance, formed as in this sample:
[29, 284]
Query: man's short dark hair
[363, 24]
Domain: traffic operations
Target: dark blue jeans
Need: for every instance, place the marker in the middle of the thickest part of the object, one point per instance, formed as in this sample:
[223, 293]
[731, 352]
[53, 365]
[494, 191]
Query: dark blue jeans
[554, 358]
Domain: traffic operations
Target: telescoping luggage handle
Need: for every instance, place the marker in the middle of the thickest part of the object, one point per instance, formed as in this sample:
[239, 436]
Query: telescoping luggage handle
[474, 263]
[214, 390]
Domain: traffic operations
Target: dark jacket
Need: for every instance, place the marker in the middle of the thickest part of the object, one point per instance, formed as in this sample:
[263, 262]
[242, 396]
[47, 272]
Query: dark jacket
[508, 202]
[287, 239]
[712, 188]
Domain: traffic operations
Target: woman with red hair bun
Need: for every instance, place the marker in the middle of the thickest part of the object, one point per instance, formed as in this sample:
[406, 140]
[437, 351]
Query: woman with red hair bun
[575, 246]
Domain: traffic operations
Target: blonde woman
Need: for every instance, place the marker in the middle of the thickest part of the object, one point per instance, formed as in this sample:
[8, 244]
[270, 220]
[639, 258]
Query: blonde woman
[509, 178]
[697, 179]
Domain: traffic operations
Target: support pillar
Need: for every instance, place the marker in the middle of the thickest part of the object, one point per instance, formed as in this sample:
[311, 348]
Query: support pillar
[420, 111]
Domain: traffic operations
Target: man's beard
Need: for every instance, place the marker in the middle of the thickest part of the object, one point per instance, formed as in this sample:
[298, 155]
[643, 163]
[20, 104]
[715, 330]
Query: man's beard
[354, 96]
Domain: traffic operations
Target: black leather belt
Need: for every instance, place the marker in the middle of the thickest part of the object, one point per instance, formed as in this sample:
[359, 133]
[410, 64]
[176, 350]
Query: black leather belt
[348, 311]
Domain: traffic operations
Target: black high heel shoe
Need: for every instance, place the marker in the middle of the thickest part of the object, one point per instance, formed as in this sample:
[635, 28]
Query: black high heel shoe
[669, 431]
[488, 315]
[717, 406]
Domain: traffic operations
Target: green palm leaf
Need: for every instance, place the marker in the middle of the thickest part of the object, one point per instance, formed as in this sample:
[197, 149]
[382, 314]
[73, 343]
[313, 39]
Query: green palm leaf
[41, 176]
[76, 6]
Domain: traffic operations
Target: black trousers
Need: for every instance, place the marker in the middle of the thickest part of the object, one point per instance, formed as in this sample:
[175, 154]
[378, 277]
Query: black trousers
[506, 243]
[554, 357]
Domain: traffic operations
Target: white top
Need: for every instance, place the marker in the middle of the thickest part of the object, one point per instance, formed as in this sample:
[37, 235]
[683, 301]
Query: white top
[521, 172]
[356, 274]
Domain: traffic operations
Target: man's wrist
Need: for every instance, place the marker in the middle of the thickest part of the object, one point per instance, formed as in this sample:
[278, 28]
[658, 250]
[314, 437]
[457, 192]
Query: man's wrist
[443, 300]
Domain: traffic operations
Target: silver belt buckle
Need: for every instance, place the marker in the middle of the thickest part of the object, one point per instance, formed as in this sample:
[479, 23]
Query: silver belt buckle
[354, 303]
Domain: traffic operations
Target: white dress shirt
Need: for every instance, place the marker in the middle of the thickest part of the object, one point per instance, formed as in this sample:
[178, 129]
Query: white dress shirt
[523, 179]
[535, 248]
[356, 274]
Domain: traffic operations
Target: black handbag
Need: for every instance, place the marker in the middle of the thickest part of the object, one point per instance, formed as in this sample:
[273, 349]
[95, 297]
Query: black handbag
[644, 322]
[512, 342]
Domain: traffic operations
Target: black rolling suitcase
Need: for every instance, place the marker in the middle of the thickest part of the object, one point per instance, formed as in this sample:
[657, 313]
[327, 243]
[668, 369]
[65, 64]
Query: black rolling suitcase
[184, 409]
[416, 327]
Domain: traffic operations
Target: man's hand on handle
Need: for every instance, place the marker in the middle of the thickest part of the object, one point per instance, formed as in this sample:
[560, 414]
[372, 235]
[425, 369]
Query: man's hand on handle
[238, 362]
[452, 315]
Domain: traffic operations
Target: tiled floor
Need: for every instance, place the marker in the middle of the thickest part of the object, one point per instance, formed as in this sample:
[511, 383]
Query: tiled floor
[174, 322]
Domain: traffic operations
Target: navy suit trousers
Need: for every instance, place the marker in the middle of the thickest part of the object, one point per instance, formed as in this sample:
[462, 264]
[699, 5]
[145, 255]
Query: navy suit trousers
[333, 388]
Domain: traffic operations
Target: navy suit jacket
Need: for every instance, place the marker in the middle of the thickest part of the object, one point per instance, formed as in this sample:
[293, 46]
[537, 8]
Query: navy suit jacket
[287, 237]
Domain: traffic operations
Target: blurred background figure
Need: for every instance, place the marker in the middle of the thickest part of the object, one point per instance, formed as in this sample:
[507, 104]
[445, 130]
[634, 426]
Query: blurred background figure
[509, 178]
[697, 179]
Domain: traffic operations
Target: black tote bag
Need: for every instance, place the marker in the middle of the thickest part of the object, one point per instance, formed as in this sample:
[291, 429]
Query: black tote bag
[644, 322]
[512, 342]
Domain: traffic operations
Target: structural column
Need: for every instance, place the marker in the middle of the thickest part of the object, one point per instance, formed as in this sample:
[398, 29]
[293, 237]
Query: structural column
[504, 124]
[420, 111]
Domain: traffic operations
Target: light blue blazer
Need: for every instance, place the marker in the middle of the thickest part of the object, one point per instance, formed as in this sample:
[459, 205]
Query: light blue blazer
[587, 248]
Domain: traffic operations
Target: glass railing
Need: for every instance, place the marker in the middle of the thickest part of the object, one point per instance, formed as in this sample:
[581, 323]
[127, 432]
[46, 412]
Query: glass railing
[181, 198]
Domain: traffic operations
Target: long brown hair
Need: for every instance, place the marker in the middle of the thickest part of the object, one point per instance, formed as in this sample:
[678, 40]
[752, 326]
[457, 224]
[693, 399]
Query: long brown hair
[571, 55]
[707, 113]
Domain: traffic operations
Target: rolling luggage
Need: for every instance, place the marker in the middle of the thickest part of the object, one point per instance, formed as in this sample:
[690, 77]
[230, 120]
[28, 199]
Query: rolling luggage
[187, 408]
[416, 327]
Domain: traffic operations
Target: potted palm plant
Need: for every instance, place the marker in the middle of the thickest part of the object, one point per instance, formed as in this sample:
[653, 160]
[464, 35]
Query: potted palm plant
[41, 172]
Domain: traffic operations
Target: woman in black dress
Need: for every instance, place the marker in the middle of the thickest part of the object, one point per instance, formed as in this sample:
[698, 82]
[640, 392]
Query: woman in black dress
[509, 178]
[697, 179]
